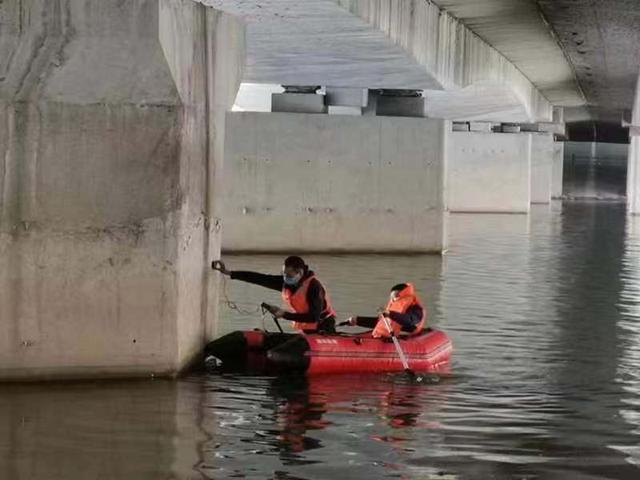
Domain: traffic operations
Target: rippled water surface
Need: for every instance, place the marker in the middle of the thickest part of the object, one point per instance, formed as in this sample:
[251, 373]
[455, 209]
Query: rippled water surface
[544, 313]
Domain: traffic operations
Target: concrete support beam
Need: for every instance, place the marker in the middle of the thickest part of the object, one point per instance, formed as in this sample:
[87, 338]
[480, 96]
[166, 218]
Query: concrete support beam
[298, 103]
[510, 128]
[483, 127]
[542, 158]
[400, 106]
[107, 212]
[489, 172]
[347, 97]
[346, 101]
[352, 111]
[557, 170]
[400, 103]
[372, 104]
[461, 127]
[334, 183]
[544, 127]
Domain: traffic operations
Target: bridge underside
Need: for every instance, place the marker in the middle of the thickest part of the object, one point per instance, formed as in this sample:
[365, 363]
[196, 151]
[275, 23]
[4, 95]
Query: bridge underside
[386, 44]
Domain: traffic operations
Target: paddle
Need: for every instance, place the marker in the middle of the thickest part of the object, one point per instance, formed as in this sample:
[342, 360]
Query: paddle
[396, 343]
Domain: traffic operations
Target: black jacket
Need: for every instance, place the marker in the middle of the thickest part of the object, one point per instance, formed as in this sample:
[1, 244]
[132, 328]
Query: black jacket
[316, 297]
[409, 320]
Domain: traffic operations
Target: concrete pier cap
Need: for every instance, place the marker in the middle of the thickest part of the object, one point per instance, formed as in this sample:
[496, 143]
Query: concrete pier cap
[317, 183]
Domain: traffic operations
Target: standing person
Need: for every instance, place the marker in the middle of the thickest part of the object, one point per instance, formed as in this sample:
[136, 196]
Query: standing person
[302, 292]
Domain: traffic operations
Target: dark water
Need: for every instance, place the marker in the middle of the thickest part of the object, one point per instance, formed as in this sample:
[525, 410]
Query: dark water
[603, 178]
[544, 312]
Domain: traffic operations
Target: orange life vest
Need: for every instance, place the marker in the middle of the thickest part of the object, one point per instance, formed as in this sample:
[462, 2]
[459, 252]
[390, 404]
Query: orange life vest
[406, 299]
[297, 301]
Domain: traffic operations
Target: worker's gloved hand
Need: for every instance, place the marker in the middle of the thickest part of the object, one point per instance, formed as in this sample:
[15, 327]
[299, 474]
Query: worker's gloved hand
[220, 267]
[273, 310]
[349, 322]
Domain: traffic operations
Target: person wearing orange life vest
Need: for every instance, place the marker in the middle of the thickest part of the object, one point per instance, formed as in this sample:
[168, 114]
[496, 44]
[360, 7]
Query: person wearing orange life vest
[302, 292]
[405, 311]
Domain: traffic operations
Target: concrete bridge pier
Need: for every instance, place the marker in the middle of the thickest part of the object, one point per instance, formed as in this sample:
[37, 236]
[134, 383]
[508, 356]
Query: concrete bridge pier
[111, 131]
[633, 164]
[330, 183]
[542, 161]
[557, 172]
[633, 176]
[489, 172]
[502, 168]
[380, 177]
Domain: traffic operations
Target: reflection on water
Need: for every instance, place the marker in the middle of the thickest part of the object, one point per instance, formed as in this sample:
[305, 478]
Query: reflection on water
[113, 430]
[628, 373]
[595, 170]
[544, 312]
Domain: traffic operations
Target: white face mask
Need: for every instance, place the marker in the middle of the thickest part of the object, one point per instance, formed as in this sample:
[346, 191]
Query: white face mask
[291, 281]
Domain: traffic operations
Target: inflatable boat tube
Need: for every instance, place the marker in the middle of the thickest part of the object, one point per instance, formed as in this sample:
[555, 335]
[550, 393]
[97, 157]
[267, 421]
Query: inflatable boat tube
[428, 352]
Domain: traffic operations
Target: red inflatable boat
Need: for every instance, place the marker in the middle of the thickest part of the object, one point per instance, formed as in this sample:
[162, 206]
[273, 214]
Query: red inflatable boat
[429, 352]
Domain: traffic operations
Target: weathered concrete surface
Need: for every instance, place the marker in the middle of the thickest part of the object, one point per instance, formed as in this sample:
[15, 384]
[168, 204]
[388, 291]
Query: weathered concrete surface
[633, 164]
[542, 156]
[557, 169]
[297, 182]
[104, 202]
[205, 52]
[489, 172]
[483, 101]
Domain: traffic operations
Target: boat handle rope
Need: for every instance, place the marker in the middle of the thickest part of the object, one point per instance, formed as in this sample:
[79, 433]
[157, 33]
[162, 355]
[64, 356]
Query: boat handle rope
[266, 308]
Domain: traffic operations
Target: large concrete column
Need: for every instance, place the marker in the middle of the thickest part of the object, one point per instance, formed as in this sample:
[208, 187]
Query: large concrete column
[633, 176]
[542, 156]
[633, 163]
[557, 170]
[110, 139]
[204, 49]
[299, 182]
[489, 172]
